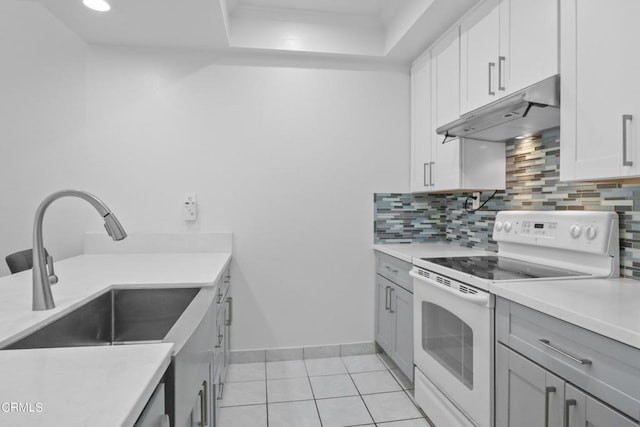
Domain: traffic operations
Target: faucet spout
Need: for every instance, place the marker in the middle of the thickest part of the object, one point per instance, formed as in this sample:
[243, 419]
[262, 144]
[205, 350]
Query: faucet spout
[43, 275]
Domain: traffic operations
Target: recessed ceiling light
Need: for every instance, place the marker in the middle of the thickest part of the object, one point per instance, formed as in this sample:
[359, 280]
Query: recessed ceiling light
[98, 5]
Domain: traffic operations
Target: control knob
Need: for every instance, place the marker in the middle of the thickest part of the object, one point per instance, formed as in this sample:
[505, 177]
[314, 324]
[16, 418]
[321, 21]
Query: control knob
[591, 232]
[575, 231]
[507, 226]
[498, 226]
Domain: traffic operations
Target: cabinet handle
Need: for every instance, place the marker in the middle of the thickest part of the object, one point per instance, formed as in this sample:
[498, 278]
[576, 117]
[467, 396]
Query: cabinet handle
[492, 66]
[501, 62]
[425, 174]
[386, 297]
[391, 300]
[567, 405]
[432, 165]
[546, 343]
[202, 403]
[205, 407]
[221, 392]
[626, 118]
[230, 302]
[547, 392]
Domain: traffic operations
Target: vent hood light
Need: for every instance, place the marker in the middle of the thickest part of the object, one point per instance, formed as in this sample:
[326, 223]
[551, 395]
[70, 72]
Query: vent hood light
[97, 5]
[524, 113]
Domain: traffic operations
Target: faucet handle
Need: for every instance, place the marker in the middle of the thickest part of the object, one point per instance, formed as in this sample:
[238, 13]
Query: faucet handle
[53, 279]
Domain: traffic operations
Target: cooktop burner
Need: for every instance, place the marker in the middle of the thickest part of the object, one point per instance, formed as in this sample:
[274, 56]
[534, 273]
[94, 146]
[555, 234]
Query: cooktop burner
[493, 267]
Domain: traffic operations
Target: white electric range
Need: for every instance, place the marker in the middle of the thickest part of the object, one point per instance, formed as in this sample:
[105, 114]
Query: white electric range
[453, 310]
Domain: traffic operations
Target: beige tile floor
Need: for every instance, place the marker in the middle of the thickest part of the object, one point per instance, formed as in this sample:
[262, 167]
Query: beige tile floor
[332, 392]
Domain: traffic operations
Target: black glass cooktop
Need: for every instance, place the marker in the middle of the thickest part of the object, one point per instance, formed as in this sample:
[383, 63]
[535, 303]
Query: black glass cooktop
[501, 268]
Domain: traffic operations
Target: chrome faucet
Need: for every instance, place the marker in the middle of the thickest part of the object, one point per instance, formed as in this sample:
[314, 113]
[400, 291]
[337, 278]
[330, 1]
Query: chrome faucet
[43, 274]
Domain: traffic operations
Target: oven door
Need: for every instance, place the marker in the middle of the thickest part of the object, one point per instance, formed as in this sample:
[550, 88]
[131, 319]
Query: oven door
[453, 342]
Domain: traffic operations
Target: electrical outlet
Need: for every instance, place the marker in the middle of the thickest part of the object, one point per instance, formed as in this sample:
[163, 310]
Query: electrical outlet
[190, 207]
[476, 201]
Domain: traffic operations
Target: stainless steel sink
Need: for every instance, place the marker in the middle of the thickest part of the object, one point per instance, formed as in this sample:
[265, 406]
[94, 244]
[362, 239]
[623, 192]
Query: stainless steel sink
[120, 316]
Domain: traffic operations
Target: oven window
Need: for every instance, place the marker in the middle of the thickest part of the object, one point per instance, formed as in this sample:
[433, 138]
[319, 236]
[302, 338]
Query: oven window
[449, 341]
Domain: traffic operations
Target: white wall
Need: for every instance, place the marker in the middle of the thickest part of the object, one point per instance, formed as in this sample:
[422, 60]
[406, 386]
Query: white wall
[42, 121]
[288, 158]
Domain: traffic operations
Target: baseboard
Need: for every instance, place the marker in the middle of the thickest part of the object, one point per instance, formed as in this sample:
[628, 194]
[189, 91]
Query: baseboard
[298, 353]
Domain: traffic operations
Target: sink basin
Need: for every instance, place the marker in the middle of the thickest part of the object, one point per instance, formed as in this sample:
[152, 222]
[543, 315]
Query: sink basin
[120, 316]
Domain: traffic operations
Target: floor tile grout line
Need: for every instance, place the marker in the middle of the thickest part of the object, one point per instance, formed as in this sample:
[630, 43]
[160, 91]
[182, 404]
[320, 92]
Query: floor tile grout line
[315, 402]
[406, 392]
[362, 398]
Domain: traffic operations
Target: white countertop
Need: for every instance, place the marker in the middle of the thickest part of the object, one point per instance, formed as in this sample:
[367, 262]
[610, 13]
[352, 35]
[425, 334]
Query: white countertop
[76, 384]
[81, 386]
[606, 306]
[408, 251]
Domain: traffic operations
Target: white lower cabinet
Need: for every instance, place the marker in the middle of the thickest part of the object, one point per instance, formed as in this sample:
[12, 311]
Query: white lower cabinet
[530, 396]
[526, 394]
[394, 312]
[199, 369]
[222, 348]
[549, 373]
[583, 410]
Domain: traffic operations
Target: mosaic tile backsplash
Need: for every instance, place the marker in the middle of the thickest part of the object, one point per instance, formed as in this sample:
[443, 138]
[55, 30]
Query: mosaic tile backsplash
[532, 183]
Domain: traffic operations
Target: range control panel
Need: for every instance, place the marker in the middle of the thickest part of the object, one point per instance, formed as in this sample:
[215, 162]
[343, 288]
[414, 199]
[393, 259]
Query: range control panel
[587, 231]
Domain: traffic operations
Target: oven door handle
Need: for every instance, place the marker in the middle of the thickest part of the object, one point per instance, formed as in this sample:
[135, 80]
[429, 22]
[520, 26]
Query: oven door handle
[479, 298]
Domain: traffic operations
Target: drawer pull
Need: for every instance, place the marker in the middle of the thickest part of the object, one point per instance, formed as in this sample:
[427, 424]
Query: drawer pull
[546, 343]
[547, 392]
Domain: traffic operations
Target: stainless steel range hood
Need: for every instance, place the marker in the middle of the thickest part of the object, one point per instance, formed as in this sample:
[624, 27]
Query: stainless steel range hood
[528, 111]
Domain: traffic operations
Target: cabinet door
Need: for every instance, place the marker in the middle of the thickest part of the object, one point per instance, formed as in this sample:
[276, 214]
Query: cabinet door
[421, 125]
[600, 135]
[445, 66]
[529, 43]
[384, 317]
[402, 310]
[226, 344]
[583, 410]
[526, 394]
[480, 44]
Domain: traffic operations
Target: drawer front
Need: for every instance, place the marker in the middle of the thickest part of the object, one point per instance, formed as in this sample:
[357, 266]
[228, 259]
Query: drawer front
[603, 367]
[394, 269]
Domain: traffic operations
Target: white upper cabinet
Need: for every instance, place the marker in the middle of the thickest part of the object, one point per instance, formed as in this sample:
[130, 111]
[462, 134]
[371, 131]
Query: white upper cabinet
[600, 109]
[480, 44]
[445, 83]
[506, 46]
[456, 165]
[421, 125]
[529, 43]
